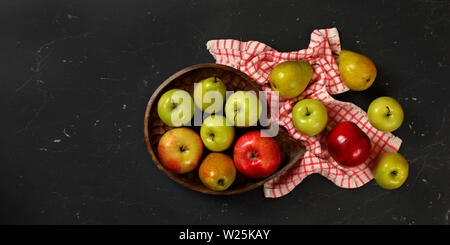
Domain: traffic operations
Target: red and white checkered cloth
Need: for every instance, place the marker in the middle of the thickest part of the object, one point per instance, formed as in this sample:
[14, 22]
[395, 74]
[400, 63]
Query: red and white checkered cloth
[257, 60]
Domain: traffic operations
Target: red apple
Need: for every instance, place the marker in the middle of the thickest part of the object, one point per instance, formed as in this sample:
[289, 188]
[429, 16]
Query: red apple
[256, 156]
[180, 150]
[348, 144]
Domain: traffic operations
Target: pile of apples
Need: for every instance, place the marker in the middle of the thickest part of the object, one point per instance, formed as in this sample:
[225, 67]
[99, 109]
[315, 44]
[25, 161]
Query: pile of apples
[180, 150]
[346, 142]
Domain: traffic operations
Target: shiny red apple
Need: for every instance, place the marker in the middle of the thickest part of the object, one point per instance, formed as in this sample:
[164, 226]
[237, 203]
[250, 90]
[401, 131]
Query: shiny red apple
[255, 155]
[348, 144]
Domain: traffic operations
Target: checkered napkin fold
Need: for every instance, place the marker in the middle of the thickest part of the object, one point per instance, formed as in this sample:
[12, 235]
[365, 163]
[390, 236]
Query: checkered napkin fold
[257, 60]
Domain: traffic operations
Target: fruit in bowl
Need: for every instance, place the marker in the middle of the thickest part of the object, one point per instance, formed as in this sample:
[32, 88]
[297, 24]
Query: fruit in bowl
[209, 94]
[243, 108]
[180, 150]
[176, 108]
[348, 144]
[290, 78]
[385, 114]
[390, 170]
[309, 116]
[217, 171]
[216, 134]
[357, 71]
[256, 155]
[234, 80]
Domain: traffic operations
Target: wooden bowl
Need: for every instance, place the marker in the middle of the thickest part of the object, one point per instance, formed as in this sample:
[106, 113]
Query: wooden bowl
[154, 128]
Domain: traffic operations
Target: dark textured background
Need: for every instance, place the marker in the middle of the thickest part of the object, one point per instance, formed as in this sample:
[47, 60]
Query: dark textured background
[76, 76]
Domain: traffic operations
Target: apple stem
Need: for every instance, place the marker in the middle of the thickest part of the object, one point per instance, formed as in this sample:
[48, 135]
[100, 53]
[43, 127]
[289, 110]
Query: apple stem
[253, 155]
[215, 79]
[174, 105]
[182, 148]
[307, 112]
[236, 110]
[389, 111]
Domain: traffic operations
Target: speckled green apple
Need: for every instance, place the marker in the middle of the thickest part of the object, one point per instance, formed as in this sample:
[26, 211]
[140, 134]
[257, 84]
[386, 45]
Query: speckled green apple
[176, 107]
[385, 114]
[216, 133]
[309, 116]
[209, 94]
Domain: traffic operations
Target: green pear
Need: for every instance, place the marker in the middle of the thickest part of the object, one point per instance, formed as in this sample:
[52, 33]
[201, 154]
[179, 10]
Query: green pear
[290, 78]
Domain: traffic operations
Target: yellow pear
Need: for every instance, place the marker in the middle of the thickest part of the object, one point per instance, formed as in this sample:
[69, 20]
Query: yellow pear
[357, 71]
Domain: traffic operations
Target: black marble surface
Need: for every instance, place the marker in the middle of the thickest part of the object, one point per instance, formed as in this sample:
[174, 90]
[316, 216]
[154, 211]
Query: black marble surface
[76, 76]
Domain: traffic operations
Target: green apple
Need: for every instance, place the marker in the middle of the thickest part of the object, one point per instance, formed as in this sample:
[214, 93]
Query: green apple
[385, 114]
[309, 116]
[290, 78]
[390, 170]
[243, 108]
[216, 134]
[209, 94]
[176, 107]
